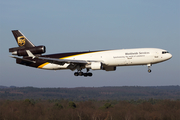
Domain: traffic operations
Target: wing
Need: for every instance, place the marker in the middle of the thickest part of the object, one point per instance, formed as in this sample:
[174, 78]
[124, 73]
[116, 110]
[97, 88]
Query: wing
[63, 61]
[60, 61]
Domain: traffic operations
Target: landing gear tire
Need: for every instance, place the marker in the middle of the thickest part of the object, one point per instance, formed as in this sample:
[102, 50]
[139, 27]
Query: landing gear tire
[76, 74]
[90, 74]
[149, 70]
[85, 74]
[81, 73]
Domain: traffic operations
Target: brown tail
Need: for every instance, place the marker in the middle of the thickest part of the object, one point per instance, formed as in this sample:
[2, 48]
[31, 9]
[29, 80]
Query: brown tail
[22, 41]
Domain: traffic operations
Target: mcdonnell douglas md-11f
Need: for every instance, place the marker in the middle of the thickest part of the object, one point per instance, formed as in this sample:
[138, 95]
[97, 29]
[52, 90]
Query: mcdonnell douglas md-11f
[107, 60]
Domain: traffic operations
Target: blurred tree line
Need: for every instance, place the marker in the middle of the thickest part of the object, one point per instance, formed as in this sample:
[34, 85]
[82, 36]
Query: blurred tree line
[94, 93]
[59, 109]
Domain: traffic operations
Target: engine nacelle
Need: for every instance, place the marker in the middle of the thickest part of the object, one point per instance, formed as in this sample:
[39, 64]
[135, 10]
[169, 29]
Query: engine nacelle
[22, 52]
[96, 65]
[111, 68]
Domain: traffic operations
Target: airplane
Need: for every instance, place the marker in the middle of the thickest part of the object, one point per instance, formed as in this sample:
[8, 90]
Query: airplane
[108, 60]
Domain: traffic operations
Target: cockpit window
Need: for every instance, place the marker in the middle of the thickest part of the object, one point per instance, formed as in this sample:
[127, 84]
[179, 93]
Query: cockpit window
[164, 52]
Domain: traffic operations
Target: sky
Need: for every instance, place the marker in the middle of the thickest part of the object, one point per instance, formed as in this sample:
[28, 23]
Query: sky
[81, 25]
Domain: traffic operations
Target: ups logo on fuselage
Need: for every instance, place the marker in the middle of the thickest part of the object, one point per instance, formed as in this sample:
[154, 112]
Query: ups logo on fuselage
[21, 41]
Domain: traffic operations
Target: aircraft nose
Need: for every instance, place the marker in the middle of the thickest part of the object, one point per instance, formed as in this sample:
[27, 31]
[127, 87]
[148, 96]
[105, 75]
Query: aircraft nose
[170, 56]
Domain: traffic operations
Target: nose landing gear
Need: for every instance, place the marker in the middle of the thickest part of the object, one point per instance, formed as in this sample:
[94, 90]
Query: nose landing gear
[149, 66]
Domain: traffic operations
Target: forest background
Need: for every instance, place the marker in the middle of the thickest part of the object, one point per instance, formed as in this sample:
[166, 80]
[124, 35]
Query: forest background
[93, 103]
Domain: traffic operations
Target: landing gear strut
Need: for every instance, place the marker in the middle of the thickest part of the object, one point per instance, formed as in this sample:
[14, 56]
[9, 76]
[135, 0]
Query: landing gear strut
[149, 66]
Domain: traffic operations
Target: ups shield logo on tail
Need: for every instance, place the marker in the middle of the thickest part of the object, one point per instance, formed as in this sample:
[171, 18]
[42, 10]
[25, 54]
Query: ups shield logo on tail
[21, 41]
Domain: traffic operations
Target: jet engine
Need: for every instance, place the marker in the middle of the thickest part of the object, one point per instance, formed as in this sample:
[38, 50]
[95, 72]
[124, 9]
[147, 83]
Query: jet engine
[22, 51]
[96, 65]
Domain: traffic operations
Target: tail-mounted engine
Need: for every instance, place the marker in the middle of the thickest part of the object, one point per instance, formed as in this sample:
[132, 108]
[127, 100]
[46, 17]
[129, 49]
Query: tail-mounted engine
[21, 51]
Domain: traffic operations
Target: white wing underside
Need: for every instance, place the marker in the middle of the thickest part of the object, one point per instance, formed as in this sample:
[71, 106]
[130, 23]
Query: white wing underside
[63, 61]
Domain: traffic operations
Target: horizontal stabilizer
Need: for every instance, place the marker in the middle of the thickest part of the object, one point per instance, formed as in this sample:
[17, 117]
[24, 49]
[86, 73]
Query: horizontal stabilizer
[23, 59]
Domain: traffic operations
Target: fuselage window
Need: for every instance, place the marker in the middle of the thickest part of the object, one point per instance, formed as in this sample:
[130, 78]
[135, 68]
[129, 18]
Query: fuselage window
[164, 52]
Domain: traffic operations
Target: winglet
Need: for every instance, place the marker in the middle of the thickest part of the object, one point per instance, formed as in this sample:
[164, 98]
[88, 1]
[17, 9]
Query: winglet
[30, 54]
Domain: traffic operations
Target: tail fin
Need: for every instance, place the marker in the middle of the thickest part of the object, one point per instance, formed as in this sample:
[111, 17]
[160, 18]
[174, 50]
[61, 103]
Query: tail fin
[22, 41]
[26, 48]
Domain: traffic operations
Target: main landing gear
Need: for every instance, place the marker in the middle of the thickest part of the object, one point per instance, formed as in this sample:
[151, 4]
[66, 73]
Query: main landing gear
[79, 73]
[149, 66]
[83, 74]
